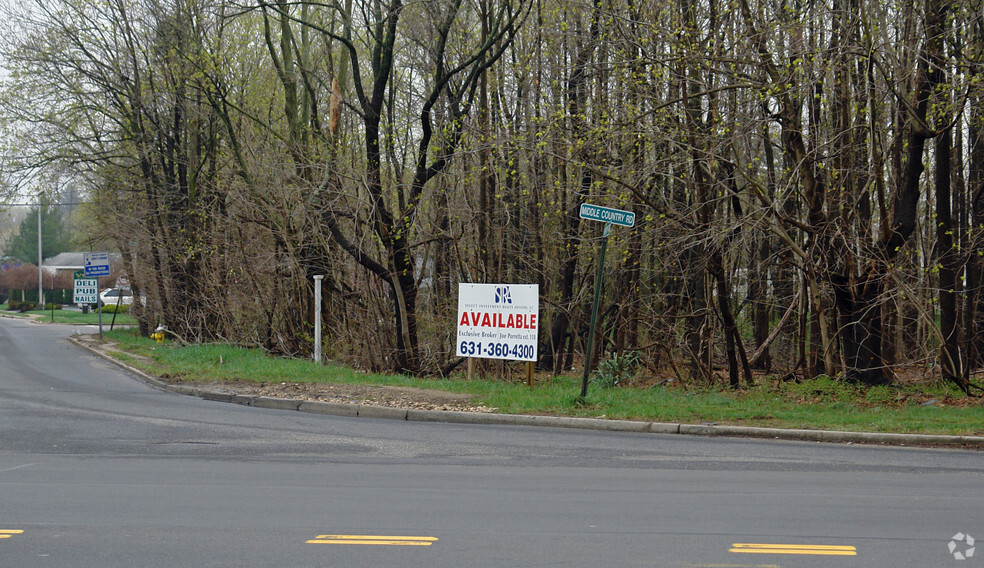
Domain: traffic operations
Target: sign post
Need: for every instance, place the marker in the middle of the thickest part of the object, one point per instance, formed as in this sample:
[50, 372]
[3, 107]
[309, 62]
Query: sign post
[609, 217]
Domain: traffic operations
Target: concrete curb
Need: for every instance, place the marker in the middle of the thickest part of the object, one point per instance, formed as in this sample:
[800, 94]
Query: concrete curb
[597, 424]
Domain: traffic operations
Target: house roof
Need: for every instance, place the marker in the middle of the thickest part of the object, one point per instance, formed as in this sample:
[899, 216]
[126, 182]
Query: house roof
[74, 260]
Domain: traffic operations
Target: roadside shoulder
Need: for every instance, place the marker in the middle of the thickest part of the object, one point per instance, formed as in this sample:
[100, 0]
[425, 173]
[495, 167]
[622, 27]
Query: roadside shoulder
[367, 409]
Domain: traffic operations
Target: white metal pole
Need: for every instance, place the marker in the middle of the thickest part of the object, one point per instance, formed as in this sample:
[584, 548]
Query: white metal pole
[40, 290]
[317, 317]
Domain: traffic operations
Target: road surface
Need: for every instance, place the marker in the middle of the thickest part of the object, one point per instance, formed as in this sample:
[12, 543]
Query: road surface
[99, 470]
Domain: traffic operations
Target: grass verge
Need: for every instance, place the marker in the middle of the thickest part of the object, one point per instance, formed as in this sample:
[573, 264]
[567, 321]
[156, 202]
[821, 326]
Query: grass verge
[929, 407]
[70, 316]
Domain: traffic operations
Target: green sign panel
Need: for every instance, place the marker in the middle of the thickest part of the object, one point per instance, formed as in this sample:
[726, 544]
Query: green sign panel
[607, 215]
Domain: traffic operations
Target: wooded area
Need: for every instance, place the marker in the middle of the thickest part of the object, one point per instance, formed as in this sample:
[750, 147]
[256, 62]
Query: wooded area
[808, 177]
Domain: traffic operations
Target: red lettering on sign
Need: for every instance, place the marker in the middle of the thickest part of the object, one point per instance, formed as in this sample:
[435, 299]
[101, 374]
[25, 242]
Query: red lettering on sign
[498, 320]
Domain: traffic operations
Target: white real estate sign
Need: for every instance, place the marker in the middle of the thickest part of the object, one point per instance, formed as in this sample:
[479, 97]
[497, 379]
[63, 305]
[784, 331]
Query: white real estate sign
[498, 321]
[86, 291]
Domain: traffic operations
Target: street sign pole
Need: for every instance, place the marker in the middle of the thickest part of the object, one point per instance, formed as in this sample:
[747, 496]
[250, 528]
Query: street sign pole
[599, 283]
[96, 264]
[608, 216]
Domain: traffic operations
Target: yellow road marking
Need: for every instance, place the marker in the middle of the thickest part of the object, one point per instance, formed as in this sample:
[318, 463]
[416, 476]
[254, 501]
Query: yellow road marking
[811, 549]
[373, 540]
[7, 533]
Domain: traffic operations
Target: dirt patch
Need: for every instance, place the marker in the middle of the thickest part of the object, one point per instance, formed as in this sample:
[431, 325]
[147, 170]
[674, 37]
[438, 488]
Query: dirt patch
[374, 395]
[397, 397]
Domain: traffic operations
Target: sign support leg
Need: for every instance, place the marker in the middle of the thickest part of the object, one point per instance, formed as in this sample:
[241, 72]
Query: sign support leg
[599, 282]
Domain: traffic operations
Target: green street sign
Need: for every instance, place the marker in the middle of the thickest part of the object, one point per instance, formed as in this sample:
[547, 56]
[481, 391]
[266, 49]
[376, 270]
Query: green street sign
[607, 215]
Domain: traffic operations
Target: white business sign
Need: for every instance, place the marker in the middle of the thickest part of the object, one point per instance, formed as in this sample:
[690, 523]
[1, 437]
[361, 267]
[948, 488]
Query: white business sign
[498, 321]
[86, 291]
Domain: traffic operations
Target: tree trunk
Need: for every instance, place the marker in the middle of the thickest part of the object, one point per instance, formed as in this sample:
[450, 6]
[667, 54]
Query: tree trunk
[952, 357]
[576, 93]
[552, 358]
[975, 267]
[734, 347]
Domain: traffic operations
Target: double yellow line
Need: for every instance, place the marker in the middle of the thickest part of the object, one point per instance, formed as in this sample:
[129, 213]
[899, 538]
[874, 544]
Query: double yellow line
[4, 533]
[811, 549]
[373, 540]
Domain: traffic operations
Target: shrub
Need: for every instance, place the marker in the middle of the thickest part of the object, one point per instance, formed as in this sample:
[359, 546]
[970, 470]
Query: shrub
[823, 389]
[615, 370]
[19, 306]
[114, 309]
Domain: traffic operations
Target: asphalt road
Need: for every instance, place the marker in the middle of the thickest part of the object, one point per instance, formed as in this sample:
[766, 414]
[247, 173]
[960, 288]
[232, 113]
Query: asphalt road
[99, 470]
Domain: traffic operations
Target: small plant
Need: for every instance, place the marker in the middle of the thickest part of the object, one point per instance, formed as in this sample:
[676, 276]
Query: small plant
[823, 389]
[616, 370]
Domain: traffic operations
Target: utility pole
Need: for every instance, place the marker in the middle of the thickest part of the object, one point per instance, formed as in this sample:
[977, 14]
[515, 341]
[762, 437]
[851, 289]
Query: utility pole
[40, 289]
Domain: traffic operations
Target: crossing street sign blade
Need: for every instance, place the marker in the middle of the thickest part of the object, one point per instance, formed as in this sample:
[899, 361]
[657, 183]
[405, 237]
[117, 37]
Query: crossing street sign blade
[607, 215]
